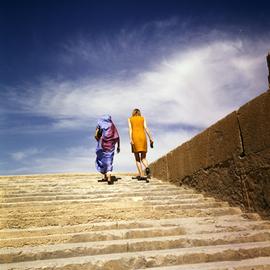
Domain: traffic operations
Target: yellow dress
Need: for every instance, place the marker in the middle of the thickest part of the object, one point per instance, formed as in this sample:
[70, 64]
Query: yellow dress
[138, 134]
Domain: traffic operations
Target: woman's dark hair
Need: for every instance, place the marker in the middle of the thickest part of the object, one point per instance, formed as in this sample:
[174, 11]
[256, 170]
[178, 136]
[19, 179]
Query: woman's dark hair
[136, 112]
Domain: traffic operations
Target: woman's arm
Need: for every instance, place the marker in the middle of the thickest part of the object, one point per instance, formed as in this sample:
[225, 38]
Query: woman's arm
[148, 131]
[130, 131]
[96, 134]
[118, 145]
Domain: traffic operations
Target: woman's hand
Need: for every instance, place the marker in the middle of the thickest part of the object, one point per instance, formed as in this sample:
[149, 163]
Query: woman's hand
[98, 134]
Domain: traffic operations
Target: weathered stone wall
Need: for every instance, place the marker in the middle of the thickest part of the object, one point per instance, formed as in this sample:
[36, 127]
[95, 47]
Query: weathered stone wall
[229, 160]
[268, 63]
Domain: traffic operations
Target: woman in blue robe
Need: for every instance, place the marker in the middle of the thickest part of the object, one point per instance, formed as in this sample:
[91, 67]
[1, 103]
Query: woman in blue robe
[107, 137]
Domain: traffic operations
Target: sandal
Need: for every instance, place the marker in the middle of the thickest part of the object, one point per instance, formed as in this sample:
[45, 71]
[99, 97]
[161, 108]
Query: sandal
[147, 171]
[102, 180]
[114, 178]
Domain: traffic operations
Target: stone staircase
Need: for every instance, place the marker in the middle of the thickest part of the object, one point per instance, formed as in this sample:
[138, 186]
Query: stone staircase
[73, 221]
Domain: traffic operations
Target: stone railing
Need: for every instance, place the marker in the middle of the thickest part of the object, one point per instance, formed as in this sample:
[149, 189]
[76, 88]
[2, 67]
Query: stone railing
[229, 160]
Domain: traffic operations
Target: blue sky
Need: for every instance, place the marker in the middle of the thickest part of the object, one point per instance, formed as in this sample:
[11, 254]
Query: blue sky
[186, 64]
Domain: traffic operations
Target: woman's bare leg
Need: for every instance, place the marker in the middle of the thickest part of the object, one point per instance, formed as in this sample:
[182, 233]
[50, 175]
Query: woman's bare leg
[143, 159]
[138, 163]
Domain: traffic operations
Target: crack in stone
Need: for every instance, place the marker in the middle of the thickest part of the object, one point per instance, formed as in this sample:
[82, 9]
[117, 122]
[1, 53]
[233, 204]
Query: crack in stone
[268, 64]
[167, 167]
[243, 153]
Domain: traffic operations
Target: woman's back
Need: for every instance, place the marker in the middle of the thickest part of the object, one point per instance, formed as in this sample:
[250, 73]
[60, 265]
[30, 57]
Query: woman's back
[138, 134]
[137, 123]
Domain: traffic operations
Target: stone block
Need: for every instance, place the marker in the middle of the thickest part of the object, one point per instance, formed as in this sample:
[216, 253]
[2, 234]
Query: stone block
[198, 151]
[216, 144]
[229, 160]
[159, 168]
[179, 163]
[224, 140]
[254, 119]
[254, 170]
[220, 181]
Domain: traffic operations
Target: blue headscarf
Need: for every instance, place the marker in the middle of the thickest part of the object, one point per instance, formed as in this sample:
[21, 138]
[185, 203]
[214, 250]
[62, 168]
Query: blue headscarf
[110, 134]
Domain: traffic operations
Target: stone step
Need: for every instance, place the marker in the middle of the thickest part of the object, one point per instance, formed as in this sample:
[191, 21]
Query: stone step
[154, 212]
[104, 235]
[58, 177]
[100, 199]
[8, 255]
[81, 187]
[55, 192]
[190, 225]
[102, 195]
[86, 189]
[153, 258]
[106, 231]
[90, 188]
[4, 211]
[84, 184]
[76, 222]
[116, 207]
[111, 205]
[57, 181]
[260, 263]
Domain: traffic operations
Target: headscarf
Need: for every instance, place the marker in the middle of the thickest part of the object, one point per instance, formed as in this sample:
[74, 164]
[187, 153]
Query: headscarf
[110, 134]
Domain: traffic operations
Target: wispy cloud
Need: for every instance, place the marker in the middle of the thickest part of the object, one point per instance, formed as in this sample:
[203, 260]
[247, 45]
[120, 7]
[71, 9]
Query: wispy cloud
[181, 84]
[125, 51]
[81, 158]
[192, 87]
[72, 159]
[25, 154]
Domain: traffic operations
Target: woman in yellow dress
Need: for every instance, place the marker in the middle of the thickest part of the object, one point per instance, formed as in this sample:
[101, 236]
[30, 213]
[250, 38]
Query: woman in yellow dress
[137, 133]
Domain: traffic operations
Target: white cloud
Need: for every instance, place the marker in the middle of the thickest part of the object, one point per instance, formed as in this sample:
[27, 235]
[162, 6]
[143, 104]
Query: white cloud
[82, 158]
[196, 86]
[72, 159]
[182, 91]
[25, 154]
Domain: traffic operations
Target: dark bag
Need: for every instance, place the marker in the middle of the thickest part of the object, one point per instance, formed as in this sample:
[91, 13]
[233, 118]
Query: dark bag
[98, 134]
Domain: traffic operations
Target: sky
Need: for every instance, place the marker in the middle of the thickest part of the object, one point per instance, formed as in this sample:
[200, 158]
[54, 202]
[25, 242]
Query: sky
[63, 64]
